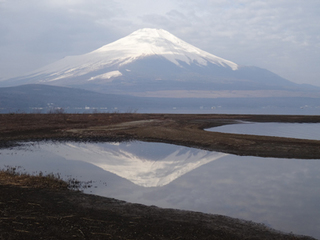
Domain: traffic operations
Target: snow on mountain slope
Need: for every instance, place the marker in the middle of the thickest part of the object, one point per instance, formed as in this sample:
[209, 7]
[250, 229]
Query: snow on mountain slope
[107, 75]
[141, 43]
[145, 42]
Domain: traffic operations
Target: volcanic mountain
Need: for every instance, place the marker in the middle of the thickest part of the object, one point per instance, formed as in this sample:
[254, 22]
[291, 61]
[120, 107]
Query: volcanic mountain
[153, 62]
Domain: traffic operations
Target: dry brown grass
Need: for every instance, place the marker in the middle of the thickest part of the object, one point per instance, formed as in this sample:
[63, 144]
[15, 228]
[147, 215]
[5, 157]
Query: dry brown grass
[15, 176]
[41, 207]
[12, 176]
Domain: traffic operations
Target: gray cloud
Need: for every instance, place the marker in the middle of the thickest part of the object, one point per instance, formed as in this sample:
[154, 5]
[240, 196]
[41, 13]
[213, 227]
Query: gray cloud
[36, 33]
[276, 35]
[281, 36]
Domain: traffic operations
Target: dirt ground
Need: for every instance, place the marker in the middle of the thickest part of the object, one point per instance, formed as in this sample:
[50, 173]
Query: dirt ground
[33, 208]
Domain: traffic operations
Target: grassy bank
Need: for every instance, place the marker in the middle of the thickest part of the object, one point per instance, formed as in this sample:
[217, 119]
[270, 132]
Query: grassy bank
[44, 207]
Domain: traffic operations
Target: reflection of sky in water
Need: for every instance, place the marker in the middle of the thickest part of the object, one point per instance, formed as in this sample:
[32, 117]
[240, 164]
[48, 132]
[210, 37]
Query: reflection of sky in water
[292, 130]
[282, 193]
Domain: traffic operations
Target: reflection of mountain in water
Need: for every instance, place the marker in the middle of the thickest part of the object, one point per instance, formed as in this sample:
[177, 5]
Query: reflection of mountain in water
[145, 164]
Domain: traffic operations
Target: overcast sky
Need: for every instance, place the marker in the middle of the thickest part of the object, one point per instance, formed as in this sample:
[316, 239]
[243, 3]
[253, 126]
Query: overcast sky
[282, 36]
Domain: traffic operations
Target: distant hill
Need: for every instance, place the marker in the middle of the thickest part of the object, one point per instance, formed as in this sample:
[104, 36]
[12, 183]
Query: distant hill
[44, 98]
[37, 98]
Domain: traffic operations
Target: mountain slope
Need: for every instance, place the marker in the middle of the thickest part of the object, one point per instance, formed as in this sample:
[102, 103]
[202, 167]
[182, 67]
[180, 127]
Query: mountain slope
[45, 98]
[153, 60]
[139, 44]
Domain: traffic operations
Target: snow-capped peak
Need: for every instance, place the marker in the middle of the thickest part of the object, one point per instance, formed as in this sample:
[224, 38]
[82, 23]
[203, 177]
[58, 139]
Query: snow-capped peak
[139, 44]
[148, 41]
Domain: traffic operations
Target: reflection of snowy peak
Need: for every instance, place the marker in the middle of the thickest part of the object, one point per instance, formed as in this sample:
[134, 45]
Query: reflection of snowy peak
[139, 167]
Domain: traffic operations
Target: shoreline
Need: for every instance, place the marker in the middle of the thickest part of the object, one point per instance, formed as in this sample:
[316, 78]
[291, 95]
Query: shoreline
[33, 208]
[179, 129]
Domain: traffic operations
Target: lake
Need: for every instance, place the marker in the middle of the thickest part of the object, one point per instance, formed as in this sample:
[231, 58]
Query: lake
[281, 193]
[290, 130]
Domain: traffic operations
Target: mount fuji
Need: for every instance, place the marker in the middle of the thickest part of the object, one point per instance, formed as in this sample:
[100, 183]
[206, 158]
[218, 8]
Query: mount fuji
[153, 62]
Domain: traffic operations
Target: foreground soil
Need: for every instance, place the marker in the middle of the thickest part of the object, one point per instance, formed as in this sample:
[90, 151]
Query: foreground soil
[35, 208]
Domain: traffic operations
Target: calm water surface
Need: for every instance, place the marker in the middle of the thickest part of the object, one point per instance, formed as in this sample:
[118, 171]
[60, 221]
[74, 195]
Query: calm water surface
[281, 193]
[292, 130]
